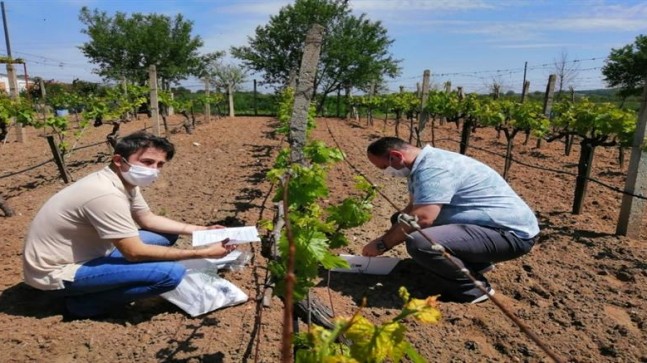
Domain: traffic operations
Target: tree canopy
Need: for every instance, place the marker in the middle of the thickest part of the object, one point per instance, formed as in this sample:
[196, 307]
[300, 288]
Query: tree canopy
[125, 46]
[354, 50]
[626, 67]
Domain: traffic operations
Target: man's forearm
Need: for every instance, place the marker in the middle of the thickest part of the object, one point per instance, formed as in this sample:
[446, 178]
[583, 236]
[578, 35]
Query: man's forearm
[166, 225]
[396, 235]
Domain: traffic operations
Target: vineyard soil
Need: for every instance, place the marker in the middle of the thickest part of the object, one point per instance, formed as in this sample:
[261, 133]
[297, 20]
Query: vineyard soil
[582, 290]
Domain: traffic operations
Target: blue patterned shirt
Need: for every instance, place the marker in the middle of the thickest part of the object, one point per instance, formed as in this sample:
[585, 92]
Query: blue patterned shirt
[469, 191]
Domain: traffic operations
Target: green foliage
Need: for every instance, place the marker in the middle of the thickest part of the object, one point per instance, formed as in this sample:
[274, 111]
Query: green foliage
[316, 228]
[125, 46]
[114, 103]
[514, 116]
[595, 122]
[625, 67]
[354, 51]
[19, 108]
[284, 113]
[447, 105]
[399, 103]
[368, 342]
[261, 104]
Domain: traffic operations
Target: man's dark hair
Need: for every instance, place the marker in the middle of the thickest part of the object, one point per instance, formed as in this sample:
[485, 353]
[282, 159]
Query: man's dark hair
[383, 145]
[130, 144]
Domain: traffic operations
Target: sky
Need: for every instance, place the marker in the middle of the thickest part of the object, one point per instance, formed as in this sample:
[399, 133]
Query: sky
[472, 43]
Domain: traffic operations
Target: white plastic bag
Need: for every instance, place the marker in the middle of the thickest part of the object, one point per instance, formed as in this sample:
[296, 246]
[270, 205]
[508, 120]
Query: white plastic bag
[202, 290]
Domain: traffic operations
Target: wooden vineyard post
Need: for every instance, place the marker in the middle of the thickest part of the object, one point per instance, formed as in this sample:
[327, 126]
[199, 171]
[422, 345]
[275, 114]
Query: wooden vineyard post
[255, 99]
[303, 93]
[424, 117]
[11, 74]
[632, 208]
[524, 93]
[154, 102]
[13, 90]
[548, 101]
[524, 90]
[297, 139]
[207, 105]
[58, 159]
[369, 112]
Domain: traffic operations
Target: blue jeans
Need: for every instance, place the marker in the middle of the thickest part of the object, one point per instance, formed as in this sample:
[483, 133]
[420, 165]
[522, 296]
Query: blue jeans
[109, 282]
[470, 246]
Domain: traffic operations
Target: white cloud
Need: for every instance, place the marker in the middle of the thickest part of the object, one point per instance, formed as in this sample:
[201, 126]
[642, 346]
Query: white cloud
[417, 5]
[536, 45]
[597, 24]
[255, 8]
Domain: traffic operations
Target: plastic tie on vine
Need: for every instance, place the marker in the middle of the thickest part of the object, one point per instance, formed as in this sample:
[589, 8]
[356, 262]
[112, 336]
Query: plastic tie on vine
[409, 220]
[437, 247]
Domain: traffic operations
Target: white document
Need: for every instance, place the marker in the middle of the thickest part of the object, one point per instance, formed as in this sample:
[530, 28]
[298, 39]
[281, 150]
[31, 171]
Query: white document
[236, 235]
[368, 265]
[211, 263]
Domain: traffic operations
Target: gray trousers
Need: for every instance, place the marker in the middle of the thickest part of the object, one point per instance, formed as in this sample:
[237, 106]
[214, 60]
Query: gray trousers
[471, 246]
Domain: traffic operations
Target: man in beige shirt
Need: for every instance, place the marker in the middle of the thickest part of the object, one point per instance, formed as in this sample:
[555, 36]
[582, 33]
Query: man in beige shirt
[98, 243]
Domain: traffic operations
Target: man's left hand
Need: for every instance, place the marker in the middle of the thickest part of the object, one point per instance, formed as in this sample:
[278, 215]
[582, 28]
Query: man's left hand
[371, 250]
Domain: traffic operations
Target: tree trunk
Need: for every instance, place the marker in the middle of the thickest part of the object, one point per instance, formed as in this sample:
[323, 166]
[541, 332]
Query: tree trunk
[230, 94]
[570, 139]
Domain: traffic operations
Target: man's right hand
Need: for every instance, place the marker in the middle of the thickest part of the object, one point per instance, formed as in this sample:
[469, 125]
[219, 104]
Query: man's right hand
[217, 250]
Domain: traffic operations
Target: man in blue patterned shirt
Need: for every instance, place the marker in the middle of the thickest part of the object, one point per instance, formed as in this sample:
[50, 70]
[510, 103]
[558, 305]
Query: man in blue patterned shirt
[461, 204]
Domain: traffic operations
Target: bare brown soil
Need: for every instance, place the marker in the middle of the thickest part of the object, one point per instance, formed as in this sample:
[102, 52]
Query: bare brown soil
[581, 290]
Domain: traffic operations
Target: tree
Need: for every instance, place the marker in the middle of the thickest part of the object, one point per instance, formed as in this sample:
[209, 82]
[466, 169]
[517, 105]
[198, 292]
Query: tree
[626, 68]
[566, 71]
[496, 86]
[228, 76]
[354, 51]
[125, 46]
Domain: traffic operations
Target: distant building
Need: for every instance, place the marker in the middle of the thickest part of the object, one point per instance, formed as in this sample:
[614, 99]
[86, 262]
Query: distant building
[4, 83]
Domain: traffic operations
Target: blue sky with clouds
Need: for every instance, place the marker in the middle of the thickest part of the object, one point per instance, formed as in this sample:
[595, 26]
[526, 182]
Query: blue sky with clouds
[472, 43]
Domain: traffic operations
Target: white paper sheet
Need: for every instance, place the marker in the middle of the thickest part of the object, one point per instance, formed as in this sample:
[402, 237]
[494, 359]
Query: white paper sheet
[213, 263]
[236, 235]
[368, 265]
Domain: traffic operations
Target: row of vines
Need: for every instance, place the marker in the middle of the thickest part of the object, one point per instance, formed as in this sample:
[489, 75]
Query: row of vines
[109, 105]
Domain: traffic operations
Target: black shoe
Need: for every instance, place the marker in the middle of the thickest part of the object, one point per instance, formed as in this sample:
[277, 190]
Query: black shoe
[484, 297]
[69, 316]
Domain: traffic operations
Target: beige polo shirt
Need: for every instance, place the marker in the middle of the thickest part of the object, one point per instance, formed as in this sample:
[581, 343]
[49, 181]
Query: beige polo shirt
[76, 225]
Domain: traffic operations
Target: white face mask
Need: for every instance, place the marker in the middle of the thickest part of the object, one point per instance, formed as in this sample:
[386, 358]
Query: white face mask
[391, 171]
[140, 175]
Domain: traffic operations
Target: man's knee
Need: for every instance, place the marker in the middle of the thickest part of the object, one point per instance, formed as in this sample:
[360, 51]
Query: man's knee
[174, 275]
[420, 249]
